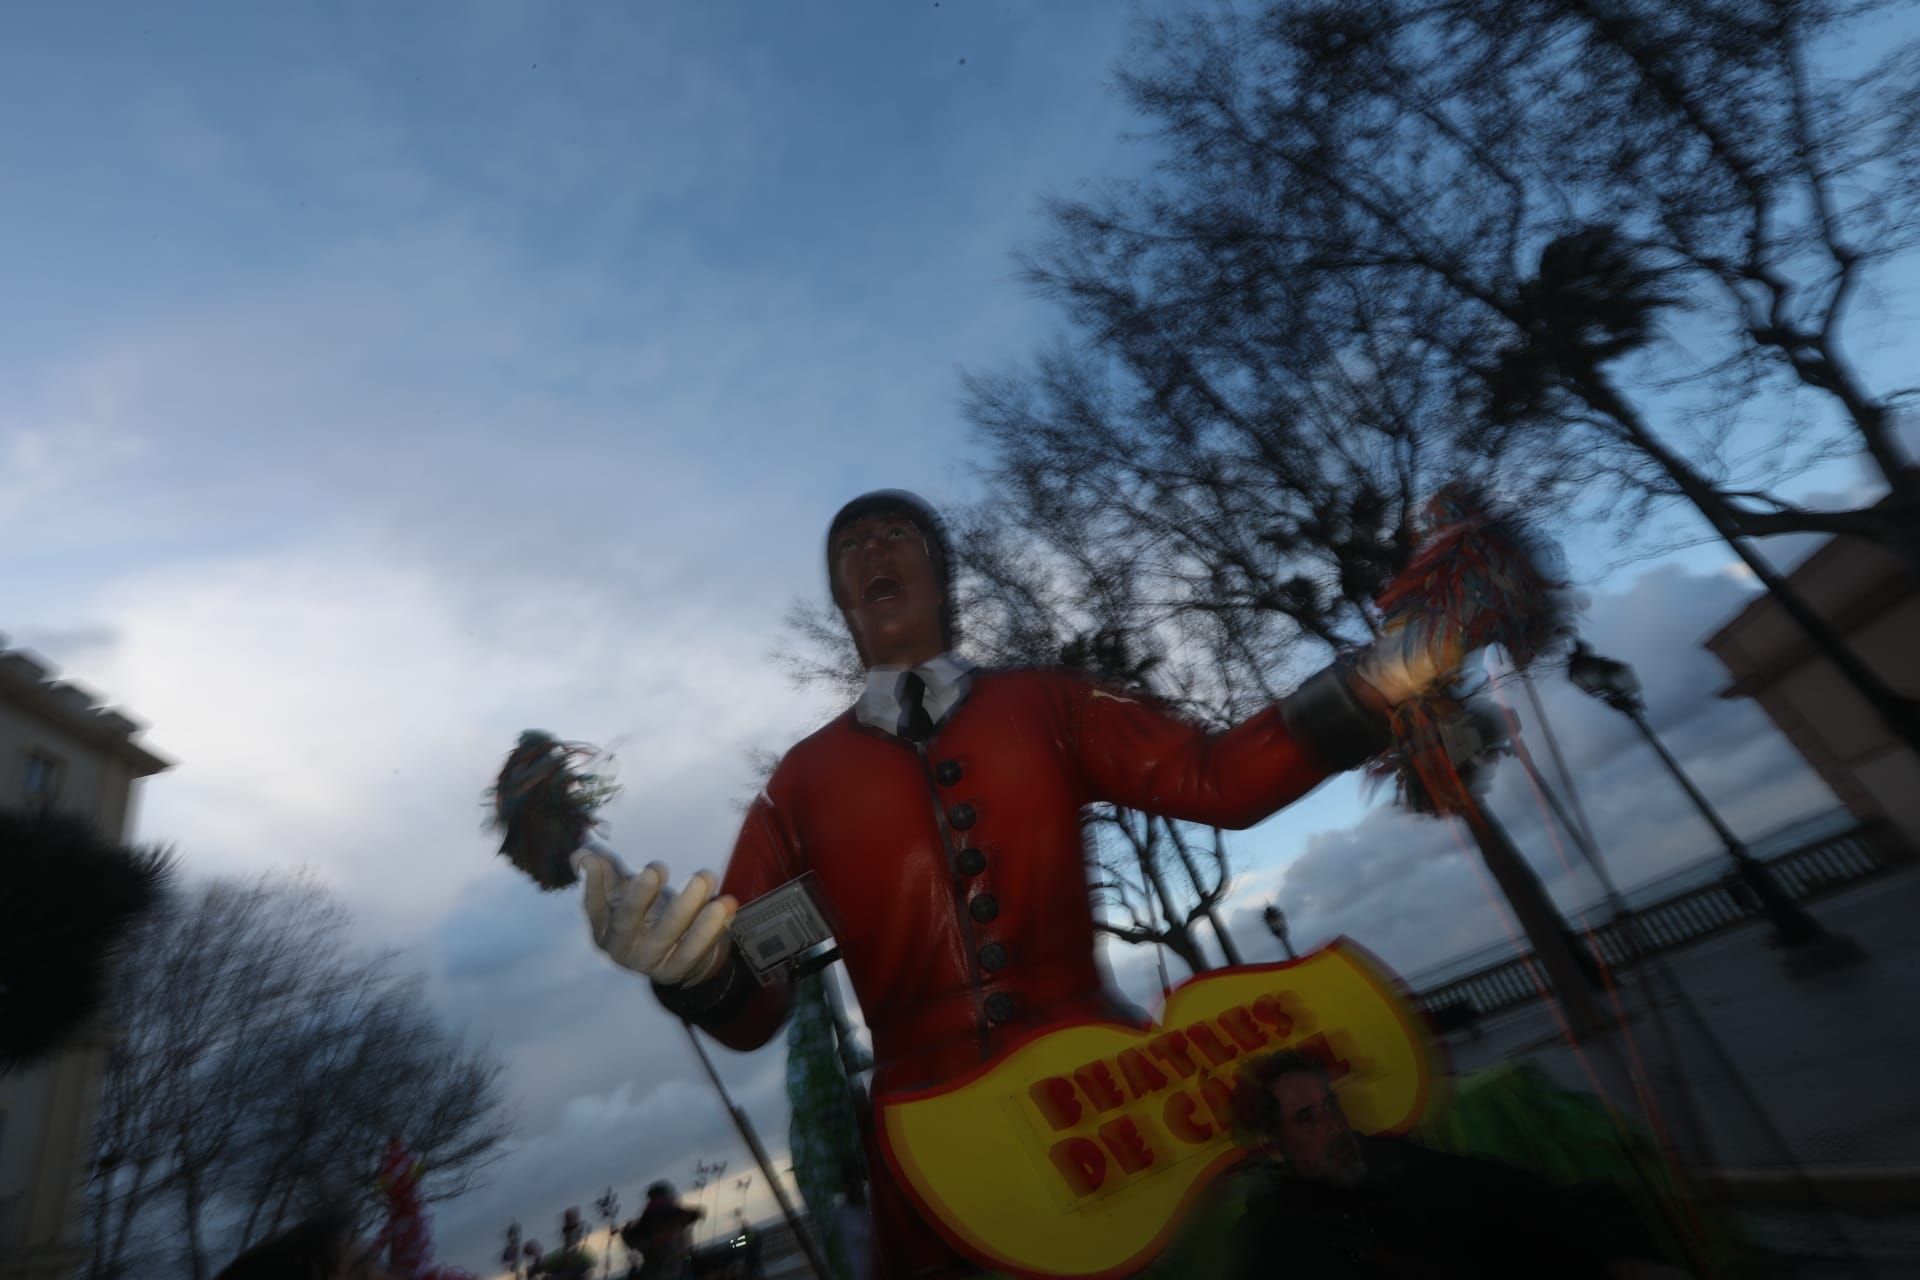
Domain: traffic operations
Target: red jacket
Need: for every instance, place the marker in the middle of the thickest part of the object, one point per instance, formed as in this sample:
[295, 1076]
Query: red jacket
[955, 872]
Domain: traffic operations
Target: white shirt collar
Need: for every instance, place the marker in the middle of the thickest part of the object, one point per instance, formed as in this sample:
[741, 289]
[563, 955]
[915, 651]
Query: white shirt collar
[947, 677]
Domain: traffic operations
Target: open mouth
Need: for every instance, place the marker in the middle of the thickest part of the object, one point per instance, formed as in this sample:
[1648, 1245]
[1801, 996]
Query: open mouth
[881, 587]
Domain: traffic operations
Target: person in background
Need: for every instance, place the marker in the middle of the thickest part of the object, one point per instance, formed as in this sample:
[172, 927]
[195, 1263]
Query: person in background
[1330, 1202]
[323, 1247]
[662, 1234]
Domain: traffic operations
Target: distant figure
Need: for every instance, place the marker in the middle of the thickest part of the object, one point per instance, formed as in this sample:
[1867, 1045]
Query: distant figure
[1332, 1202]
[853, 1221]
[661, 1234]
[321, 1248]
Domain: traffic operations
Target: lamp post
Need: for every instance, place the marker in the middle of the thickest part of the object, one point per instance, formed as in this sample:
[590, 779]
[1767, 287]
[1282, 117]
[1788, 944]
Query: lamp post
[741, 1184]
[1615, 684]
[1277, 926]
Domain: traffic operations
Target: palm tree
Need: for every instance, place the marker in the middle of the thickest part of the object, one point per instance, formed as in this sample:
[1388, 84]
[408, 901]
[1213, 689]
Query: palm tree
[1472, 738]
[1593, 301]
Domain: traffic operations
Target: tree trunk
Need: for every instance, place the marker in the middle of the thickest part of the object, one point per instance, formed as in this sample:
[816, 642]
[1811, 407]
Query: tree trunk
[1557, 952]
[261, 1195]
[1180, 940]
[281, 1210]
[196, 1252]
[1227, 946]
[1208, 897]
[129, 1208]
[1179, 937]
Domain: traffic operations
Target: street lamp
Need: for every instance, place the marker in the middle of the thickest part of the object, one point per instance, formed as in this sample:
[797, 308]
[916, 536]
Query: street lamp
[1615, 684]
[1277, 926]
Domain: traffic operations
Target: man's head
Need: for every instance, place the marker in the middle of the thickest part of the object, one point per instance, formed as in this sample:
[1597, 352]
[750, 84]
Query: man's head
[660, 1191]
[1289, 1103]
[889, 570]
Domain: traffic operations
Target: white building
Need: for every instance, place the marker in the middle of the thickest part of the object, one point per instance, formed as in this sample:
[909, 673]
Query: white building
[57, 747]
[1870, 598]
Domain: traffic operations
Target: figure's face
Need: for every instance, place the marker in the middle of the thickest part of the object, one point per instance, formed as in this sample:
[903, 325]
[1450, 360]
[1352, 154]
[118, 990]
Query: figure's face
[884, 580]
[1315, 1138]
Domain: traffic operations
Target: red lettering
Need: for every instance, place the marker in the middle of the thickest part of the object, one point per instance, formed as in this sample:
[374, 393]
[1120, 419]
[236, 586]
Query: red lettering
[1096, 1078]
[1321, 1049]
[1142, 1076]
[1269, 1010]
[1218, 1053]
[1081, 1162]
[1054, 1097]
[1129, 1147]
[1171, 1049]
[1239, 1024]
[1181, 1121]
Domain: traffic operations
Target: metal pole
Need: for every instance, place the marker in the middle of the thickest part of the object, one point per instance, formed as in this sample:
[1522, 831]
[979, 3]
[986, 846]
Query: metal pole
[815, 1262]
[1729, 1066]
[1566, 775]
[1792, 926]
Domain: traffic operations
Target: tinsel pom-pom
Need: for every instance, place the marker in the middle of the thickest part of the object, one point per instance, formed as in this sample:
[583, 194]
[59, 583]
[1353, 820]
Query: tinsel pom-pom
[544, 805]
[1481, 578]
[1484, 578]
[1442, 747]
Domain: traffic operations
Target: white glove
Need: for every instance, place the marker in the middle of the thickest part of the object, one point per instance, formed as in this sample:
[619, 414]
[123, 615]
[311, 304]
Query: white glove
[675, 939]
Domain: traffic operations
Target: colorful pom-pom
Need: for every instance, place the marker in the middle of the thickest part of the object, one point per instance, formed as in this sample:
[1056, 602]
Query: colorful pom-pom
[1484, 576]
[1442, 747]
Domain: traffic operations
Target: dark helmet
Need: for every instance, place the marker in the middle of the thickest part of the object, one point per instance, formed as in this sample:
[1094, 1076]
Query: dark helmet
[659, 1190]
[932, 528]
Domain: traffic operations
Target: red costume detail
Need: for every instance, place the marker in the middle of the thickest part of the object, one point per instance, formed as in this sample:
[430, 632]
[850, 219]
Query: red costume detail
[867, 815]
[406, 1238]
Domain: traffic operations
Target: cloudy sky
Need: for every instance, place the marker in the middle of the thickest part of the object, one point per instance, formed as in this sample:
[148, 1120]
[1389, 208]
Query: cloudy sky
[381, 381]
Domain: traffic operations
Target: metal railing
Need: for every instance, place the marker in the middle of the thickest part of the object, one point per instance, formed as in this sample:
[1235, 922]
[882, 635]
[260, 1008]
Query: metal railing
[1670, 923]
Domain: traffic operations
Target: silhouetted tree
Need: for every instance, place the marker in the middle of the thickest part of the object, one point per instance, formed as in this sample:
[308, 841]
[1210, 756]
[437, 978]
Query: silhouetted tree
[1565, 242]
[261, 1065]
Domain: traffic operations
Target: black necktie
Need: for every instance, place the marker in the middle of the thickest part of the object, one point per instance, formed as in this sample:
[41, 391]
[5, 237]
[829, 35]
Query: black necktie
[919, 724]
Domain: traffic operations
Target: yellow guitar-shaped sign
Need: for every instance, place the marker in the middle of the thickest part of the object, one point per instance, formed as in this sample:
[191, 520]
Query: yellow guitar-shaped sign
[1077, 1152]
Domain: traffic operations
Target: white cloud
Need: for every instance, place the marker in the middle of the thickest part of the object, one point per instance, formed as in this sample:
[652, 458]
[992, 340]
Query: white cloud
[345, 708]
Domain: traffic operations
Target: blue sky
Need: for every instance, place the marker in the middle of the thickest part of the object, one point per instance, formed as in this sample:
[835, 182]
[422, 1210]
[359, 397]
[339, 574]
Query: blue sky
[382, 380]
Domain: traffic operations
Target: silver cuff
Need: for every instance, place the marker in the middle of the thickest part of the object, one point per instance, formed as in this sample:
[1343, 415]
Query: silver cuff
[714, 1001]
[1326, 717]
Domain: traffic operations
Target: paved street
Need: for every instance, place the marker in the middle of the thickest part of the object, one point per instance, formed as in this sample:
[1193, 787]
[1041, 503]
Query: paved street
[1833, 1060]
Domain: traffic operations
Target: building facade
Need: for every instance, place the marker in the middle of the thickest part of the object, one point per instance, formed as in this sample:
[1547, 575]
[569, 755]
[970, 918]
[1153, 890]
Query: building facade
[1872, 600]
[58, 748]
